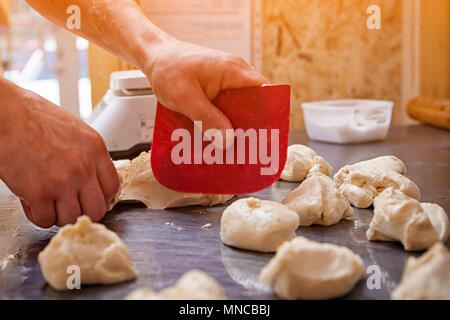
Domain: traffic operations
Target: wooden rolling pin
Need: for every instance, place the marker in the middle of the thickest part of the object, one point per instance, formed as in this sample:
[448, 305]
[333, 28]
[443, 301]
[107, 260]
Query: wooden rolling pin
[430, 110]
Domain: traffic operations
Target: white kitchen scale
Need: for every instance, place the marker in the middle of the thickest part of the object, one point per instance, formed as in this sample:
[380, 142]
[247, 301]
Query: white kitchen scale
[125, 116]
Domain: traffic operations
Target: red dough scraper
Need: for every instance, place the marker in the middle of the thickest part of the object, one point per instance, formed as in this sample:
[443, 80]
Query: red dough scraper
[183, 162]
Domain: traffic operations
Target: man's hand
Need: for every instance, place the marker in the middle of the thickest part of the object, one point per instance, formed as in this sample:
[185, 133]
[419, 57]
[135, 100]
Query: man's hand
[186, 77]
[56, 164]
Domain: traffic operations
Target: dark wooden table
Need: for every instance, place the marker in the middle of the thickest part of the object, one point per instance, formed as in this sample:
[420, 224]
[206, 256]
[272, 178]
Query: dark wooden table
[162, 253]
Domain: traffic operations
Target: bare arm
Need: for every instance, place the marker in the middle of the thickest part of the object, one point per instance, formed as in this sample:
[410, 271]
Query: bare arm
[118, 26]
[184, 77]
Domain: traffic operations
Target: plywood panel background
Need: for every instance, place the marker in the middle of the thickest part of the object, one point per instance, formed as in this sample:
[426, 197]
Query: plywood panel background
[325, 50]
[5, 12]
[435, 48]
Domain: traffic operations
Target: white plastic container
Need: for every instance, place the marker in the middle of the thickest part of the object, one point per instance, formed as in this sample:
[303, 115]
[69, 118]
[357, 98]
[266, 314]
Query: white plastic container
[347, 121]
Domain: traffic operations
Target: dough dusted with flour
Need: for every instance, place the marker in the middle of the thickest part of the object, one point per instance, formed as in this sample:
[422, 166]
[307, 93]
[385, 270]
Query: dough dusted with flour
[99, 253]
[426, 277]
[138, 184]
[398, 217]
[305, 269]
[384, 163]
[361, 182]
[302, 161]
[317, 200]
[258, 225]
[193, 285]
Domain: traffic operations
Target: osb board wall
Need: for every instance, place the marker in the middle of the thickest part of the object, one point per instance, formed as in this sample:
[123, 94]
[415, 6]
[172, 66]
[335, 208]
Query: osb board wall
[325, 50]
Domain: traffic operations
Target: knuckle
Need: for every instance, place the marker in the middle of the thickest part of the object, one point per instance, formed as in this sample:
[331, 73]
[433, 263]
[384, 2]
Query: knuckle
[236, 60]
[95, 140]
[59, 182]
[81, 167]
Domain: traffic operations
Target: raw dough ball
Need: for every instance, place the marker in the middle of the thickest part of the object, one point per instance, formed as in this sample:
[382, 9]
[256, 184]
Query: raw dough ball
[99, 253]
[318, 201]
[426, 277]
[193, 285]
[143, 294]
[304, 269]
[399, 217]
[139, 184]
[438, 218]
[302, 161]
[259, 225]
[384, 163]
[361, 182]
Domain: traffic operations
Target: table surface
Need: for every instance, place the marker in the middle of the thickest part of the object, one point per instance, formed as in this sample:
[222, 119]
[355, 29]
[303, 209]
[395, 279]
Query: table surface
[162, 253]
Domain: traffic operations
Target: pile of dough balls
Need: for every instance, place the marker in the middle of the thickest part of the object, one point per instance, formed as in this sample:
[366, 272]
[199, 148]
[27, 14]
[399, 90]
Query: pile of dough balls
[301, 268]
[193, 285]
[301, 162]
[99, 253]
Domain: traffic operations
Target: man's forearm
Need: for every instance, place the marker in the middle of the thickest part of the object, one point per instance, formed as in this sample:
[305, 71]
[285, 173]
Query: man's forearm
[118, 26]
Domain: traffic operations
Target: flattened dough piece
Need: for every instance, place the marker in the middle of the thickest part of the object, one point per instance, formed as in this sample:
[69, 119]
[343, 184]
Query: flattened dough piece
[193, 285]
[398, 217]
[99, 253]
[302, 161]
[318, 201]
[258, 225]
[361, 182]
[426, 277]
[138, 184]
[305, 269]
